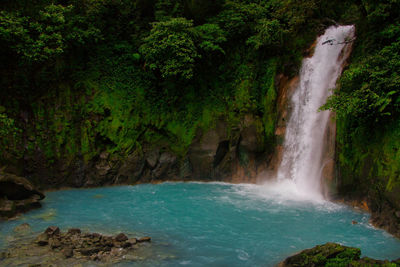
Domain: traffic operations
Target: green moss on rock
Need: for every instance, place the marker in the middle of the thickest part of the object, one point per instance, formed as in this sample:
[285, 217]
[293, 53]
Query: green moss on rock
[332, 255]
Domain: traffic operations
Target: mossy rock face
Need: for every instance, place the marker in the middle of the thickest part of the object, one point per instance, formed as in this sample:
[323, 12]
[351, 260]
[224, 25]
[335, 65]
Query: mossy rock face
[332, 255]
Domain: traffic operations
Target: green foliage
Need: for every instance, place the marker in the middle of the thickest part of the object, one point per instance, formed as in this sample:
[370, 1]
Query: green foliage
[9, 135]
[6, 125]
[367, 106]
[112, 75]
[270, 34]
[44, 36]
[166, 9]
[370, 89]
[210, 38]
[170, 48]
[173, 46]
[239, 19]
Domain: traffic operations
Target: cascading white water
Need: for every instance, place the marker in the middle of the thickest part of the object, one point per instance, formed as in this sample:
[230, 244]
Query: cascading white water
[303, 146]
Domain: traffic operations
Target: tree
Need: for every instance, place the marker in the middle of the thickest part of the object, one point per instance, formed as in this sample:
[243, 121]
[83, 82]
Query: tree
[45, 36]
[173, 46]
[270, 34]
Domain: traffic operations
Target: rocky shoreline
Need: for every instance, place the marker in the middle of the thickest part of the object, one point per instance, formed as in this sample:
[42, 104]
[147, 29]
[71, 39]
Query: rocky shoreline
[73, 247]
[384, 216]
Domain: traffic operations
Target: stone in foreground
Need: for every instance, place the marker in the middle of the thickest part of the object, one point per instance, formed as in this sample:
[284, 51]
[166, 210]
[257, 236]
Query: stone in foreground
[54, 248]
[332, 254]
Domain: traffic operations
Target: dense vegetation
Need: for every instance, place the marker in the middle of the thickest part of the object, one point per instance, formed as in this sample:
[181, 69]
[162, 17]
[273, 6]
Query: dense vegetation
[84, 76]
[367, 103]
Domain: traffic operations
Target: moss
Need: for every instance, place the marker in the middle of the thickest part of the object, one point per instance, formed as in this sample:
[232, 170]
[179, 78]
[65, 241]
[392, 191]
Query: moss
[369, 166]
[269, 103]
[329, 254]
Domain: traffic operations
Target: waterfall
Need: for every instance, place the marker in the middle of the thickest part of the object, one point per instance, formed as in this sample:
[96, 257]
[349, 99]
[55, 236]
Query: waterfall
[303, 146]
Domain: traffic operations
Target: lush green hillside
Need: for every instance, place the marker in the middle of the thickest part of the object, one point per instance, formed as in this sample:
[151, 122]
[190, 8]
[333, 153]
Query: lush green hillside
[89, 87]
[367, 103]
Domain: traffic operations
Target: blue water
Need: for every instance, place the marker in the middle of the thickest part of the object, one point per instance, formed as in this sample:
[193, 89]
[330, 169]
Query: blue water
[212, 224]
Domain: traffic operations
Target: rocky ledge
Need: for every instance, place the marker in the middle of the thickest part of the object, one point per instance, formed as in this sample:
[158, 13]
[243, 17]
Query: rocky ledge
[73, 248]
[332, 254]
[17, 195]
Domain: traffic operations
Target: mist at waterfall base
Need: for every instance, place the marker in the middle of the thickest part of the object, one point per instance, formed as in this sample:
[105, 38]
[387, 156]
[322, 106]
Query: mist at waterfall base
[209, 224]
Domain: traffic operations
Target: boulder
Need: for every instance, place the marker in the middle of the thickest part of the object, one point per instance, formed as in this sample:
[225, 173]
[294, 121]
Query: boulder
[54, 243]
[132, 241]
[7, 208]
[144, 239]
[322, 255]
[42, 239]
[82, 247]
[17, 188]
[88, 251]
[22, 228]
[52, 230]
[74, 231]
[67, 252]
[121, 237]
[17, 194]
[332, 254]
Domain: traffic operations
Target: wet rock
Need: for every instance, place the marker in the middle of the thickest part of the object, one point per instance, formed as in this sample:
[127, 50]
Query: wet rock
[332, 254]
[52, 230]
[67, 252]
[7, 208]
[144, 239]
[54, 243]
[132, 168]
[152, 157]
[88, 251]
[322, 255]
[83, 246]
[22, 228]
[17, 188]
[166, 162]
[202, 152]
[121, 237]
[117, 244]
[94, 257]
[125, 245]
[17, 195]
[354, 222]
[42, 239]
[115, 252]
[56, 248]
[74, 231]
[132, 241]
